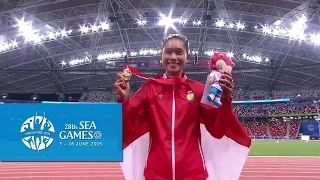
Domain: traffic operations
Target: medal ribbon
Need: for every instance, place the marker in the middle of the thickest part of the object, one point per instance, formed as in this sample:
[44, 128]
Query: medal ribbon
[137, 73]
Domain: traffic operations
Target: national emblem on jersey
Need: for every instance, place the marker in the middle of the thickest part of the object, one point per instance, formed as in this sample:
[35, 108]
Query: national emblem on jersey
[190, 96]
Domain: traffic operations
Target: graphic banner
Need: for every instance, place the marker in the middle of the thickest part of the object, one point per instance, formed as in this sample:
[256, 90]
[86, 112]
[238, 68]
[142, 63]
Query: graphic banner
[61, 132]
[310, 128]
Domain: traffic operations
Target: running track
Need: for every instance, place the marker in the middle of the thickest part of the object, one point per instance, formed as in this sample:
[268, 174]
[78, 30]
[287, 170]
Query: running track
[256, 168]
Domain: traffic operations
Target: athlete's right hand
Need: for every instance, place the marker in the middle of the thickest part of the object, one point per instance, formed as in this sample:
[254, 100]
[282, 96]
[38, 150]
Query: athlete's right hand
[122, 87]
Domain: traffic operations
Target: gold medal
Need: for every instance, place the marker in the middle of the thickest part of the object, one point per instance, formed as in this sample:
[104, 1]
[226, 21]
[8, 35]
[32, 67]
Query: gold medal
[127, 73]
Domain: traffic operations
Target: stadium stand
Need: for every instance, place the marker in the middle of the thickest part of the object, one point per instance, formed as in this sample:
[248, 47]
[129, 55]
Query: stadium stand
[259, 95]
[258, 128]
[294, 128]
[278, 128]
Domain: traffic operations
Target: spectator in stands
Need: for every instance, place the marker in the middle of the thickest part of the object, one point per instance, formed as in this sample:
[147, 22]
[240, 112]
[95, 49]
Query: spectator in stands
[168, 107]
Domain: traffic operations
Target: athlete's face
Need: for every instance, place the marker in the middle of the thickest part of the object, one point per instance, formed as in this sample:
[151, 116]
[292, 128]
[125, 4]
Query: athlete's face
[174, 56]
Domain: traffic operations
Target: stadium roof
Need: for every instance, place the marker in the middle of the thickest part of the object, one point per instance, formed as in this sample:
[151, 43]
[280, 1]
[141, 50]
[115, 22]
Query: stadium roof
[50, 46]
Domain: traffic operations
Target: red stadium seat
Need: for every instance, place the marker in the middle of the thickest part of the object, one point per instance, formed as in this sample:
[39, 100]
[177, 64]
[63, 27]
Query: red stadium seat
[278, 128]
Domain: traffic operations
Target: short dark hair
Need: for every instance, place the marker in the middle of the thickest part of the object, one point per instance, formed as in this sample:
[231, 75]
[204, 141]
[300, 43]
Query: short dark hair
[177, 36]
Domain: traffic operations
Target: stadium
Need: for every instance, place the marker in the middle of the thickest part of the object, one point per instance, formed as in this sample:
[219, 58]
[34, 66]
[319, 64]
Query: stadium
[72, 50]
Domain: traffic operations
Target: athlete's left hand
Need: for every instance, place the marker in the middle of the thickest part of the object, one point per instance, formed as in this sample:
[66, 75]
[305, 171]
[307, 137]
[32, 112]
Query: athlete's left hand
[227, 85]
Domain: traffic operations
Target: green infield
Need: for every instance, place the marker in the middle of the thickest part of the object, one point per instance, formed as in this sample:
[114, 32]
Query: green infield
[285, 148]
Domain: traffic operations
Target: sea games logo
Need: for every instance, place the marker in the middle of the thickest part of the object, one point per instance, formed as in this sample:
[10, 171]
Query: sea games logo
[37, 131]
[311, 127]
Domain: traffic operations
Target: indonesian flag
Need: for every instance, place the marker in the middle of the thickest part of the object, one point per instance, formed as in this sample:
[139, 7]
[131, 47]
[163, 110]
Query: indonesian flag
[224, 157]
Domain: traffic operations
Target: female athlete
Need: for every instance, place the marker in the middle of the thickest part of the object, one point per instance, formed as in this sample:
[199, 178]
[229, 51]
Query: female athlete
[169, 135]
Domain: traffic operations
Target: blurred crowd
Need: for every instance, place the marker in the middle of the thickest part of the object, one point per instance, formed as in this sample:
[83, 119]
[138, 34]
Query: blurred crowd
[241, 95]
[276, 109]
[292, 108]
[276, 128]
